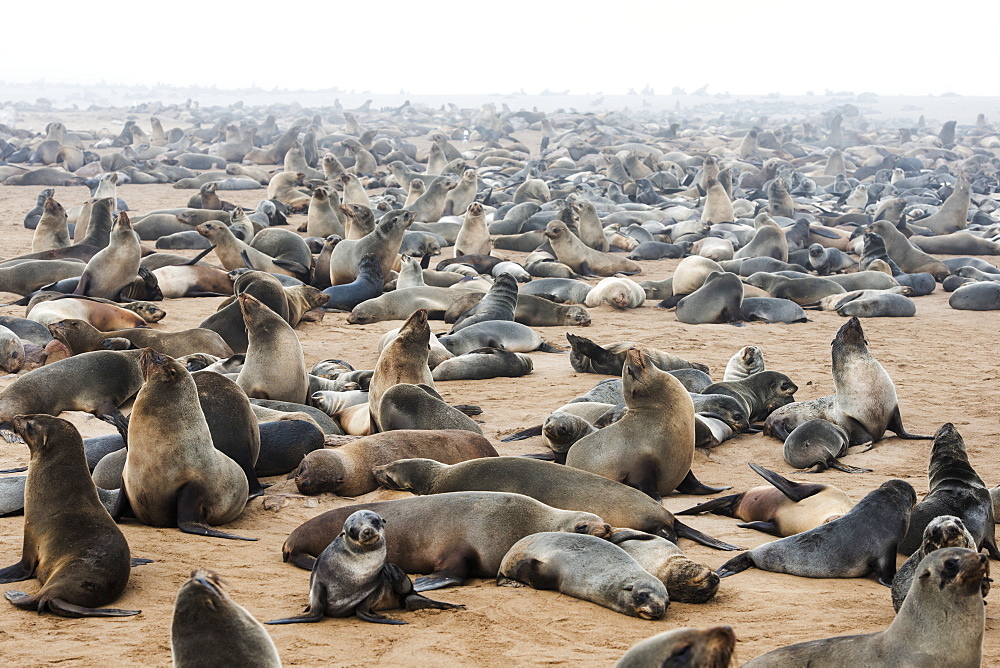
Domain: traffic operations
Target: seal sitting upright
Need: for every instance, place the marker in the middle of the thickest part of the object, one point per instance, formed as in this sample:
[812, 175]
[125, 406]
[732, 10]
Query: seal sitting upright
[351, 576]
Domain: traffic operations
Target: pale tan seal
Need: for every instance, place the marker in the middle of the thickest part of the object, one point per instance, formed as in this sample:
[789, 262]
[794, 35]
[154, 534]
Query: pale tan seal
[571, 251]
[235, 254]
[473, 238]
[768, 241]
[403, 360]
[683, 648]
[275, 366]
[113, 269]
[52, 231]
[384, 242]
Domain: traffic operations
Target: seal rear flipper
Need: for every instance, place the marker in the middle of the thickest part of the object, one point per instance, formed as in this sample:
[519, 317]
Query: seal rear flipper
[437, 580]
[721, 506]
[766, 527]
[549, 348]
[840, 466]
[796, 491]
[735, 565]
[691, 485]
[306, 618]
[367, 615]
[140, 561]
[116, 420]
[518, 436]
[17, 469]
[896, 427]
[468, 409]
[670, 302]
[63, 608]
[684, 531]
[301, 560]
[189, 514]
[557, 457]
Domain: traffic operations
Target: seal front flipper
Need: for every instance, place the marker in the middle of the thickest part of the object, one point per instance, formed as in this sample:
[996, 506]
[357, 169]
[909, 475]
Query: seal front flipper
[691, 485]
[684, 531]
[885, 568]
[557, 457]
[62, 608]
[796, 491]
[246, 260]
[521, 435]
[437, 580]
[19, 572]
[17, 469]
[306, 618]
[735, 565]
[140, 561]
[645, 480]
[858, 434]
[116, 420]
[840, 466]
[362, 612]
[190, 518]
[896, 427]
[122, 507]
[766, 527]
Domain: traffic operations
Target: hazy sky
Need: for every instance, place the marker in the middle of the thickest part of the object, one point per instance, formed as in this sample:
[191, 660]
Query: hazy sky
[502, 46]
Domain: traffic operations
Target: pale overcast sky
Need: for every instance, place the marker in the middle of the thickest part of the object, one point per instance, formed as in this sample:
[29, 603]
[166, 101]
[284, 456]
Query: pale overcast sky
[502, 46]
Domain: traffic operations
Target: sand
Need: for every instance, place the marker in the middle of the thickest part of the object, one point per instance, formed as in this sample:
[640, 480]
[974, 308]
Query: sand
[942, 362]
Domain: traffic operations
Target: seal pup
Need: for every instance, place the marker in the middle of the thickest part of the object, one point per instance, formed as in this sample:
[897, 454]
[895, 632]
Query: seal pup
[852, 546]
[584, 567]
[783, 508]
[275, 367]
[941, 623]
[589, 357]
[761, 393]
[818, 443]
[943, 531]
[209, 628]
[552, 484]
[865, 397]
[651, 448]
[71, 544]
[51, 232]
[747, 361]
[683, 648]
[686, 581]
[351, 576]
[955, 489]
[173, 474]
[451, 536]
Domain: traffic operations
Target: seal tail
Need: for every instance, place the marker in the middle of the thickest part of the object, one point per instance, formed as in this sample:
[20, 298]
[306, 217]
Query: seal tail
[684, 531]
[721, 506]
[735, 565]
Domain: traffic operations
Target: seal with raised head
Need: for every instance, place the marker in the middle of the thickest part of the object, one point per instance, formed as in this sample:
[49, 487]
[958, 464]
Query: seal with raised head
[941, 623]
[683, 648]
[275, 367]
[652, 447]
[209, 628]
[404, 360]
[955, 489]
[173, 474]
[783, 508]
[552, 484]
[747, 361]
[581, 258]
[451, 536]
[943, 531]
[584, 567]
[384, 241]
[865, 401]
[71, 544]
[349, 470]
[851, 546]
[112, 269]
[82, 337]
[761, 393]
[352, 576]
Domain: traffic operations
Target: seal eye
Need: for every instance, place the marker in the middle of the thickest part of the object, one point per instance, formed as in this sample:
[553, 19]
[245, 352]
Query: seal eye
[580, 528]
[951, 567]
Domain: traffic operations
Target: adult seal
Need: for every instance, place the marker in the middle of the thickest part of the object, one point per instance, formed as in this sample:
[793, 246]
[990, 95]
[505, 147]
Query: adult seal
[589, 357]
[865, 399]
[552, 484]
[71, 544]
[941, 623]
[581, 258]
[783, 508]
[451, 536]
[351, 577]
[955, 489]
[173, 474]
[718, 300]
[852, 546]
[367, 285]
[209, 628]
[584, 567]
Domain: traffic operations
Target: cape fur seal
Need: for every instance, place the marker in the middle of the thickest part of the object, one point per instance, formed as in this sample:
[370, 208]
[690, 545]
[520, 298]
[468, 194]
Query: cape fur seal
[210, 628]
[584, 567]
[783, 508]
[943, 531]
[588, 357]
[173, 474]
[582, 259]
[552, 484]
[352, 576]
[851, 546]
[955, 489]
[941, 623]
[683, 648]
[451, 536]
[71, 544]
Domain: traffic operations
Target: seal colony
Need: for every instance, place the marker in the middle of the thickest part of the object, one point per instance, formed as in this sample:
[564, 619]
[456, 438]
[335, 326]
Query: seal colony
[648, 193]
